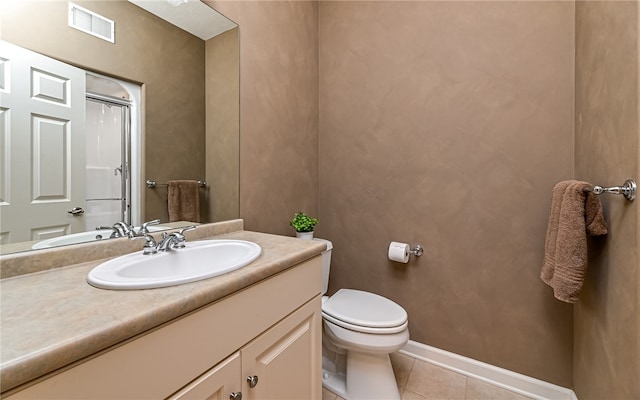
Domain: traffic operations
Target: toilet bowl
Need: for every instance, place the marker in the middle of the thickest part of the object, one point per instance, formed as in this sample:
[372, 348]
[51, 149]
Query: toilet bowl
[360, 329]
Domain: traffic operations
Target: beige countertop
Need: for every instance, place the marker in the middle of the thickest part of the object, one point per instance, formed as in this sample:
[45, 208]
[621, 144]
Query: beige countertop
[52, 318]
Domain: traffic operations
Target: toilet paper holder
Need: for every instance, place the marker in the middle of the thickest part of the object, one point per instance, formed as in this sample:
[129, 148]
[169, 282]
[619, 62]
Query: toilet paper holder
[417, 250]
[400, 251]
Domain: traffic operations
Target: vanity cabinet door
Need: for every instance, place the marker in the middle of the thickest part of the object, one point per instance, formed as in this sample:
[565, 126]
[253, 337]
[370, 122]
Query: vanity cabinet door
[221, 382]
[285, 362]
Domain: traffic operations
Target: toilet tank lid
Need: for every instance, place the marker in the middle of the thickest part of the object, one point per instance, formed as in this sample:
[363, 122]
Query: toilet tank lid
[364, 309]
[328, 243]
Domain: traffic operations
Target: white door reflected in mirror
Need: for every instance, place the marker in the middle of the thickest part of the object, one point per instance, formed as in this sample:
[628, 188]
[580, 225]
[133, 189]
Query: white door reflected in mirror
[45, 159]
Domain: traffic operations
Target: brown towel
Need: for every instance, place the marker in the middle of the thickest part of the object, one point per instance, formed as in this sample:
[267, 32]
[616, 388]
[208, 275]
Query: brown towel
[183, 200]
[574, 214]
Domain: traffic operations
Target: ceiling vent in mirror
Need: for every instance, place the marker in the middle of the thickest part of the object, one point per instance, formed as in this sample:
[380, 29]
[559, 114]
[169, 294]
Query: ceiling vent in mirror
[91, 23]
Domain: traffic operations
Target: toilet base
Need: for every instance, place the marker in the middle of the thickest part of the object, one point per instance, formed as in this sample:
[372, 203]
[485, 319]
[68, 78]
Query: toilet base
[367, 377]
[334, 366]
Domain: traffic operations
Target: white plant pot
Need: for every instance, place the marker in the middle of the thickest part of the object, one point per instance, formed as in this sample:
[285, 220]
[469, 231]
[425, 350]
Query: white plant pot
[304, 235]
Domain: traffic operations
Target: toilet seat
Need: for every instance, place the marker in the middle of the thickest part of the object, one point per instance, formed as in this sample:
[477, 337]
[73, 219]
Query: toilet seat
[364, 312]
[364, 329]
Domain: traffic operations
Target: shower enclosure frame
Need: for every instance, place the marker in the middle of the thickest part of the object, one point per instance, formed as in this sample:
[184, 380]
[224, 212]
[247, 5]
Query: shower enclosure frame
[125, 152]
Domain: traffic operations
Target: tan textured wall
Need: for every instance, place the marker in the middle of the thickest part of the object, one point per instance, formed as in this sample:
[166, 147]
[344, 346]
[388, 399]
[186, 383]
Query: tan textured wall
[607, 327]
[278, 110]
[447, 124]
[222, 71]
[166, 60]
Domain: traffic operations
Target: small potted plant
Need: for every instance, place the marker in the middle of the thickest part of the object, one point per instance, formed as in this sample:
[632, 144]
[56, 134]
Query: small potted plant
[303, 224]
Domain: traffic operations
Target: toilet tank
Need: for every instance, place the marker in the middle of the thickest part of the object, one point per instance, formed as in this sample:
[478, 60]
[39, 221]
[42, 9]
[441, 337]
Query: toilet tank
[326, 264]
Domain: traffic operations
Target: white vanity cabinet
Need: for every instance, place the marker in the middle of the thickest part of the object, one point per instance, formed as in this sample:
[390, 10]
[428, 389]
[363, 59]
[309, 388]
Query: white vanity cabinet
[270, 330]
[282, 363]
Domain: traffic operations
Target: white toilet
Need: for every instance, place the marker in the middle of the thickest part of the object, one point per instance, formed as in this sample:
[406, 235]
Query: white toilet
[360, 329]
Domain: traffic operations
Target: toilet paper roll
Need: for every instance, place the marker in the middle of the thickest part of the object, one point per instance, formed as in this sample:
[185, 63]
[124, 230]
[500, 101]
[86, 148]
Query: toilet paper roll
[399, 252]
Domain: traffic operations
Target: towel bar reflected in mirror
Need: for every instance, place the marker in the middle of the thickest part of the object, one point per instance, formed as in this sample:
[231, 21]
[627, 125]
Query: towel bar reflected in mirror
[628, 189]
[152, 184]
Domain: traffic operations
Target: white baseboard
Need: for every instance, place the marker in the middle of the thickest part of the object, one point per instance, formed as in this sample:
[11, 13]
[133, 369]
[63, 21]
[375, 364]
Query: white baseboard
[515, 382]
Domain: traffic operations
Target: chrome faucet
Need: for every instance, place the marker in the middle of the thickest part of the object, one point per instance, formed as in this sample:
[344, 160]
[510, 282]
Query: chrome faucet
[150, 245]
[121, 229]
[175, 240]
[144, 229]
[113, 233]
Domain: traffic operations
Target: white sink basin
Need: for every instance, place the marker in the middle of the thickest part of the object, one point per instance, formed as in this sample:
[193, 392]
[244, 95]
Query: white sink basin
[82, 237]
[198, 260]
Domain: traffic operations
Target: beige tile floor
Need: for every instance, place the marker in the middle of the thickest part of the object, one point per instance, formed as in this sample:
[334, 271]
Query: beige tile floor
[419, 380]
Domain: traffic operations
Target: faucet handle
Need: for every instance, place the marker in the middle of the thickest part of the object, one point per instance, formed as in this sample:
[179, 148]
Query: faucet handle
[186, 228]
[150, 244]
[145, 226]
[180, 240]
[121, 229]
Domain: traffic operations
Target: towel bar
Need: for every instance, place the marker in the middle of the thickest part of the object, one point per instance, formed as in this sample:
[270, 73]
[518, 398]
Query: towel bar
[628, 189]
[152, 184]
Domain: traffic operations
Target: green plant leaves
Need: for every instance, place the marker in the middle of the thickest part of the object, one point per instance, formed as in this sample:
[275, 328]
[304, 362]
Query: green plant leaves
[303, 223]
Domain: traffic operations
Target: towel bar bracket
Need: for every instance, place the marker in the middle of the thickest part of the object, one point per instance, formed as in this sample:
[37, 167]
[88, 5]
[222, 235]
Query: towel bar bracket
[628, 189]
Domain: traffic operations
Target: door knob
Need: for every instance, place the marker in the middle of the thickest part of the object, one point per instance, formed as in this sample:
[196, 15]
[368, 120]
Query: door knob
[253, 381]
[235, 396]
[76, 211]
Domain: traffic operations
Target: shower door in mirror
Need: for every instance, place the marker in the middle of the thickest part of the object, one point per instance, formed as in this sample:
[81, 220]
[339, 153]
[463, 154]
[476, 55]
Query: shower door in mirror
[41, 146]
[107, 160]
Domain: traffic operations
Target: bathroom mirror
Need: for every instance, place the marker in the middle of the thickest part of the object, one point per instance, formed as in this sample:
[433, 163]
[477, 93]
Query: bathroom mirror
[189, 91]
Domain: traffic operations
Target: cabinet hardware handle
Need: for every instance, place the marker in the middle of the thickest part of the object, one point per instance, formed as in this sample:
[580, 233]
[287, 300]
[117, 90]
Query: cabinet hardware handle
[253, 381]
[236, 396]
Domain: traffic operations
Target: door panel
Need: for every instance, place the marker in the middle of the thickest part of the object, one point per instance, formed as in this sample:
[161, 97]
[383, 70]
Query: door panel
[48, 232]
[286, 359]
[215, 384]
[49, 160]
[42, 139]
[49, 87]
[4, 151]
